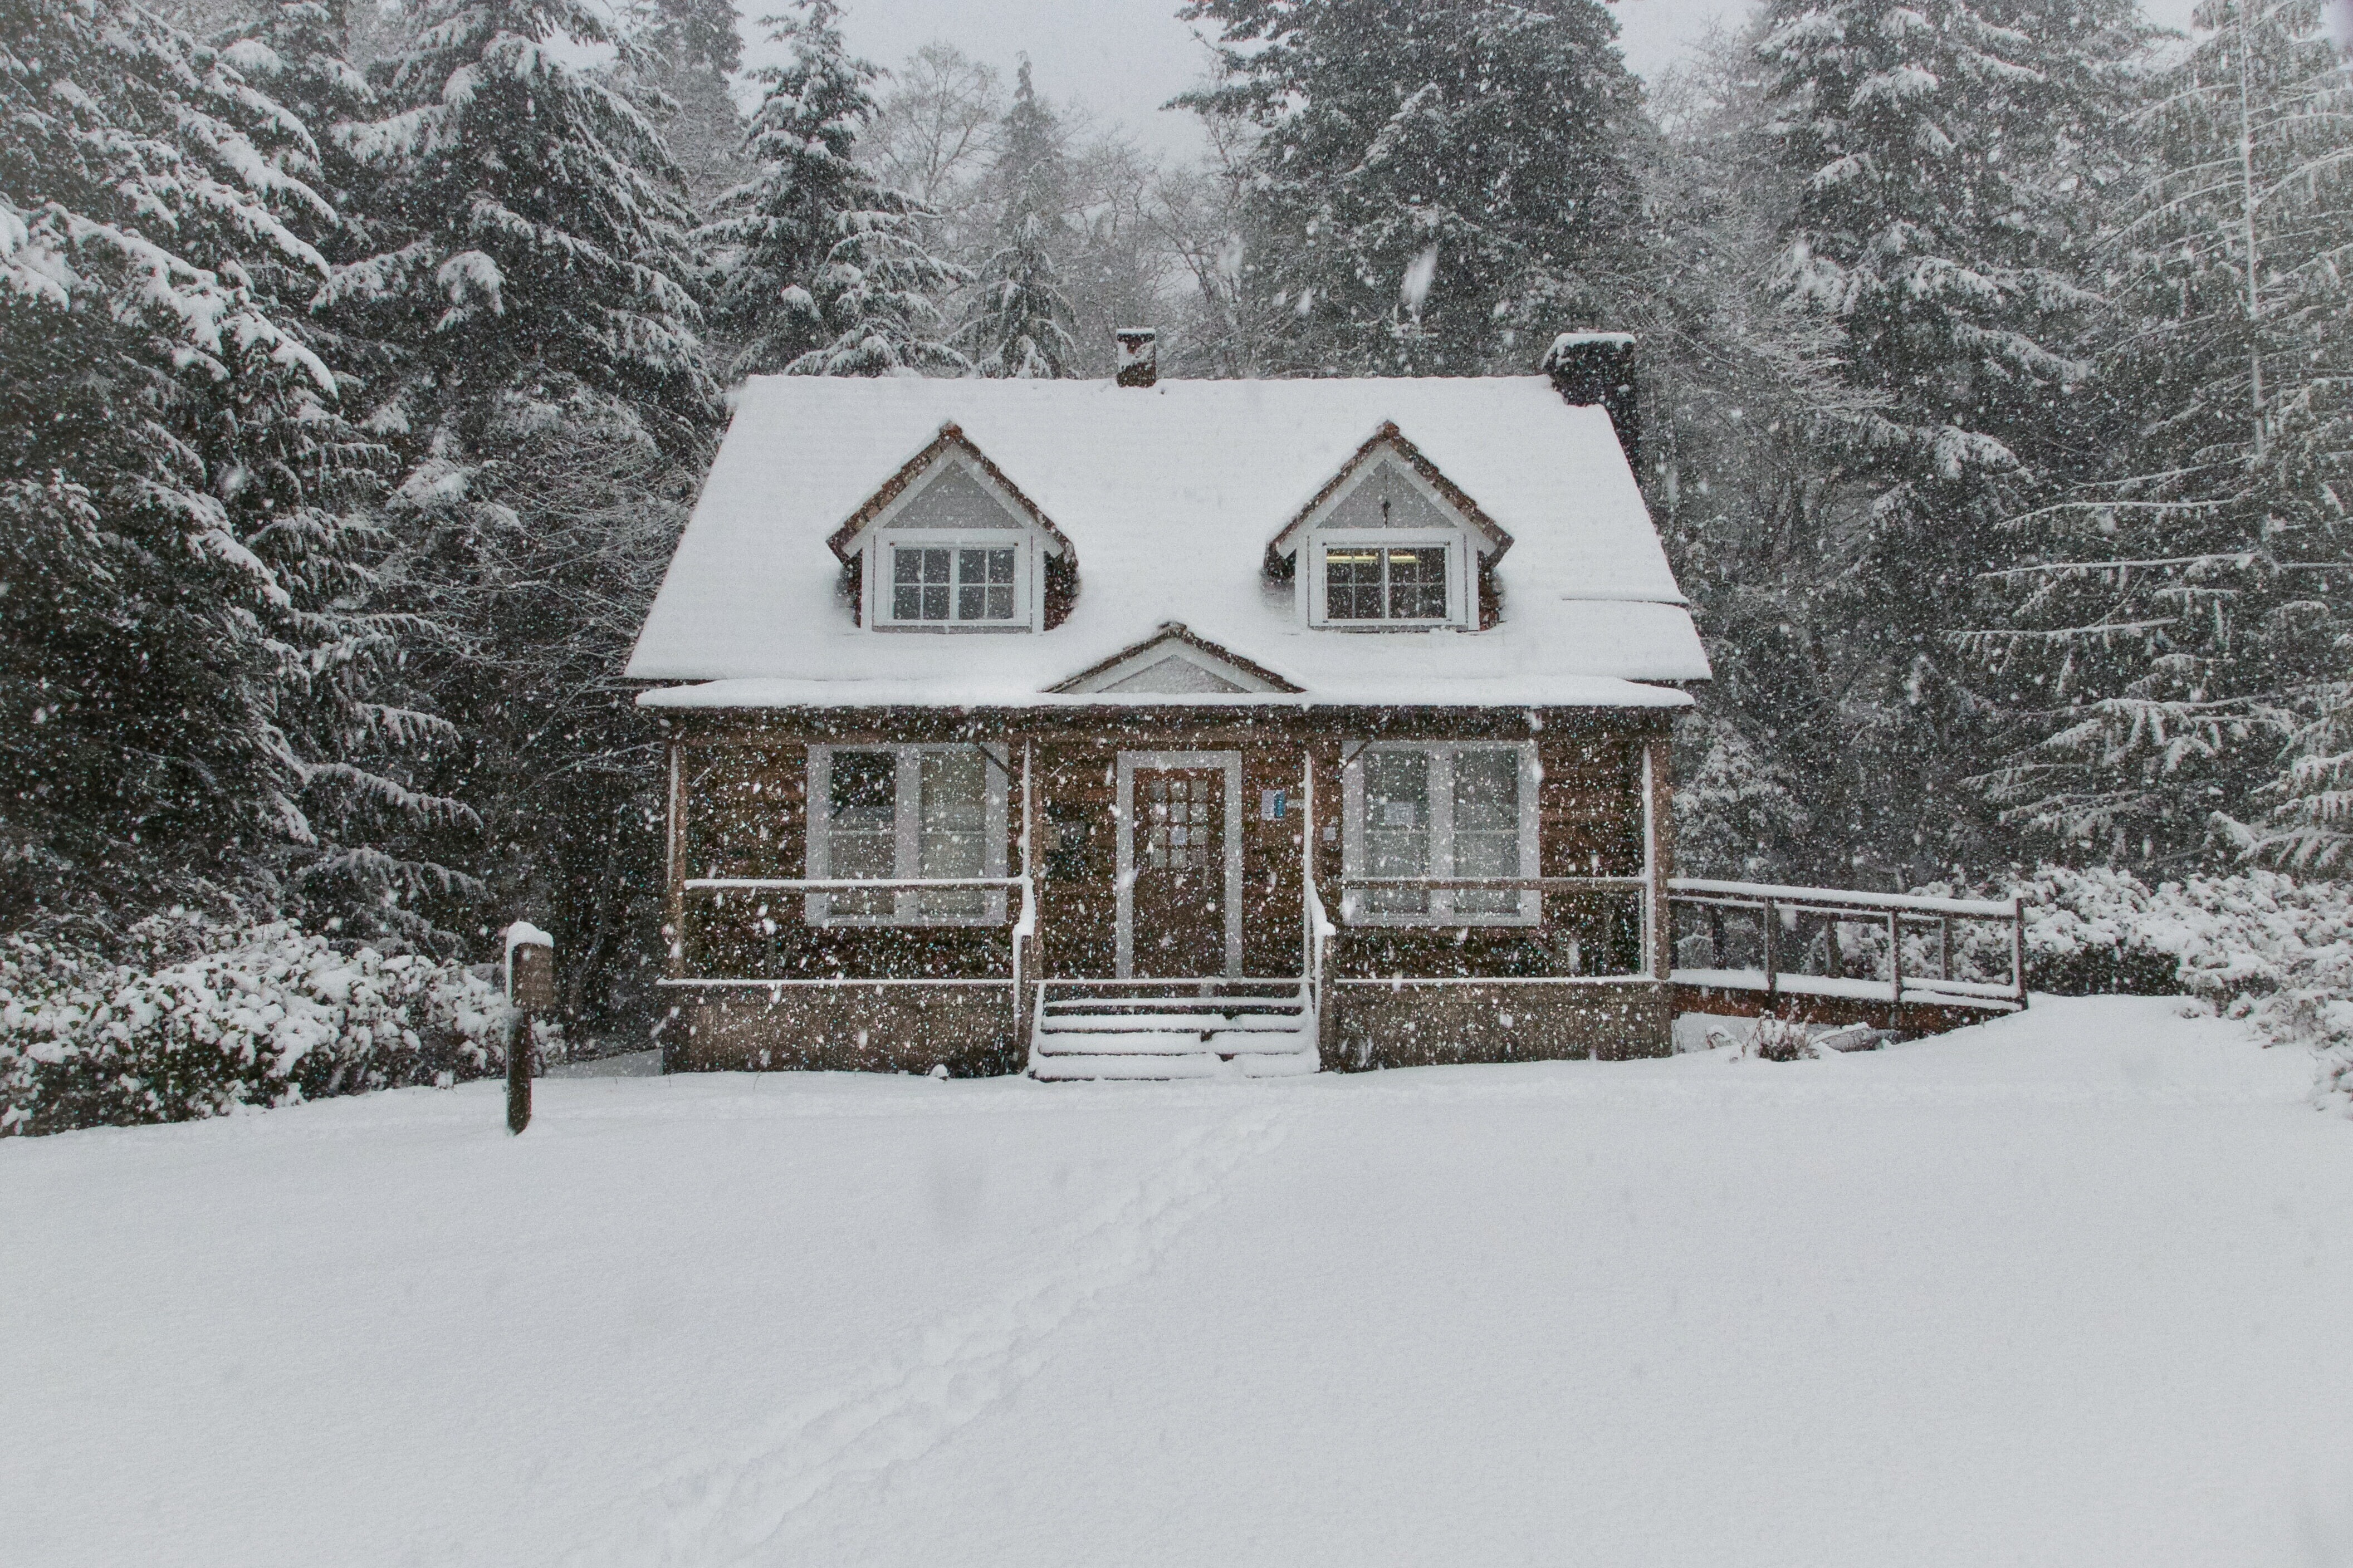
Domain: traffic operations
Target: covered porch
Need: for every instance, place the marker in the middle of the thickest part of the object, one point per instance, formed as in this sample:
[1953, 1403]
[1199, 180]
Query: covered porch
[1164, 893]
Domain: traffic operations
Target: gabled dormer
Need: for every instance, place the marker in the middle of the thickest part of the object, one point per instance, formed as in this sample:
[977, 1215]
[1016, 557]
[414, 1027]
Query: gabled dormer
[1389, 543]
[950, 544]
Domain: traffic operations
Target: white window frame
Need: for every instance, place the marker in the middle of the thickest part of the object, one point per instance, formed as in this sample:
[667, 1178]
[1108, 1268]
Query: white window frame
[1441, 755]
[907, 822]
[1316, 586]
[1021, 533]
[882, 555]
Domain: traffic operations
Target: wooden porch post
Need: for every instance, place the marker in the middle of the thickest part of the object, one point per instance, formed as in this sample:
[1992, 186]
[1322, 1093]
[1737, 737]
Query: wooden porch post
[674, 848]
[1658, 858]
[1027, 947]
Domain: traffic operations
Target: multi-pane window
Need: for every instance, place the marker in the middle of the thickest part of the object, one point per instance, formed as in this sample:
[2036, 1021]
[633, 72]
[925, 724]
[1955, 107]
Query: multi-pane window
[1176, 827]
[1396, 829]
[861, 828]
[947, 583]
[1384, 583]
[901, 813]
[952, 829]
[1443, 813]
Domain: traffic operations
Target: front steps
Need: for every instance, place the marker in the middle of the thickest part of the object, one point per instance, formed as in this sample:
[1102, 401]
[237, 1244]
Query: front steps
[1173, 1029]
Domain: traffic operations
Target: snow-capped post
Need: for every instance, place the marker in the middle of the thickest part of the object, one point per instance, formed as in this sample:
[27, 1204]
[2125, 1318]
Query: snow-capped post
[1139, 356]
[531, 994]
[1598, 368]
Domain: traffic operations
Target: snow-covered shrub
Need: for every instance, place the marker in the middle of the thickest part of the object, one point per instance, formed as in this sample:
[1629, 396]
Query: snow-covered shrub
[1780, 1040]
[2260, 946]
[196, 1021]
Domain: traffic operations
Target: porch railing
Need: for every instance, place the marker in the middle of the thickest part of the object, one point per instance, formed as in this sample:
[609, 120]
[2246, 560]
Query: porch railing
[1780, 913]
[1351, 907]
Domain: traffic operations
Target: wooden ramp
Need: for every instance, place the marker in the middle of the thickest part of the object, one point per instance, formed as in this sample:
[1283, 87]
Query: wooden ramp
[1914, 964]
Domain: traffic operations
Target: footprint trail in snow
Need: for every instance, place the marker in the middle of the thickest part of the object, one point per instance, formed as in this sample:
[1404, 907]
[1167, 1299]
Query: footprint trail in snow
[733, 1508]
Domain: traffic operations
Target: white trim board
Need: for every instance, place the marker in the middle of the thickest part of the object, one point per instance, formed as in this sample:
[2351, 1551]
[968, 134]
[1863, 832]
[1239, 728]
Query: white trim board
[1143, 670]
[906, 832]
[1124, 812]
[1440, 832]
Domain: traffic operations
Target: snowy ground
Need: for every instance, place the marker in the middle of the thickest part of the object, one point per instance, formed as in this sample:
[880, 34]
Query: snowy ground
[2069, 1289]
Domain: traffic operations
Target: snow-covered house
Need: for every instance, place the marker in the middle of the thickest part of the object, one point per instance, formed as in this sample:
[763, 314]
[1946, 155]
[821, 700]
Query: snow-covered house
[1177, 726]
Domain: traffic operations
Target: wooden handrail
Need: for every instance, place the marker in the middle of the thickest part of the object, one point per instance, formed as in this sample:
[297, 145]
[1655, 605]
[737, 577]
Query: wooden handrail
[1753, 892]
[1500, 884]
[1772, 901]
[842, 884]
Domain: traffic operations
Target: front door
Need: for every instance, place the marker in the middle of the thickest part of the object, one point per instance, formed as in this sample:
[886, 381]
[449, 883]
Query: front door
[1180, 873]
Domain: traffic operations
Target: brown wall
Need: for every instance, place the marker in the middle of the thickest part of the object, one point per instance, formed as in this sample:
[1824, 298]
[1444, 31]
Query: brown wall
[743, 782]
[1407, 1024]
[846, 1029]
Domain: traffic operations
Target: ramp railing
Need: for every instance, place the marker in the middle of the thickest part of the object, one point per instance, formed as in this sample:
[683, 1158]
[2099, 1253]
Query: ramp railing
[1896, 948]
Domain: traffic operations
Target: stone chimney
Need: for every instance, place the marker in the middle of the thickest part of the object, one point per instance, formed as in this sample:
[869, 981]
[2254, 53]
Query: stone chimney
[1139, 356]
[1598, 368]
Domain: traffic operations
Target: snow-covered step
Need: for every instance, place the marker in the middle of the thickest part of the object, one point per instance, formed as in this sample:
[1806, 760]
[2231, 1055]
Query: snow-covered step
[1155, 1043]
[1057, 1069]
[1264, 1033]
[1167, 1044]
[1065, 1069]
[1228, 1005]
[1198, 1023]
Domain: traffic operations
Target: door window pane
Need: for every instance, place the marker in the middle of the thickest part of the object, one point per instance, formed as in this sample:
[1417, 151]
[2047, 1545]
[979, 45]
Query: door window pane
[1397, 828]
[861, 826]
[1179, 835]
[1486, 828]
[952, 834]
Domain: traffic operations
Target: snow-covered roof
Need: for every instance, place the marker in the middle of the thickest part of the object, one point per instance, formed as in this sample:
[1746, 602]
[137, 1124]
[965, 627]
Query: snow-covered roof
[1168, 496]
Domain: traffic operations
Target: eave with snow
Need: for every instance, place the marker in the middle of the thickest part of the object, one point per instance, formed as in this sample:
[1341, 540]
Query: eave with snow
[1111, 686]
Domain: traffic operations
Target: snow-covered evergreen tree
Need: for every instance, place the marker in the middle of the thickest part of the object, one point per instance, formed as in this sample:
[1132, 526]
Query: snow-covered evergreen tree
[2183, 617]
[2311, 829]
[527, 292]
[529, 235]
[1948, 158]
[1020, 315]
[1438, 185]
[823, 270]
[185, 681]
[685, 51]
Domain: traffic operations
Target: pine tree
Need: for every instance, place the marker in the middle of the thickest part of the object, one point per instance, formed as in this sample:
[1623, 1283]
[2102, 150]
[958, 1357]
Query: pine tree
[529, 233]
[2312, 828]
[1747, 503]
[2182, 618]
[822, 268]
[184, 680]
[1017, 327]
[1438, 185]
[683, 51]
[1948, 157]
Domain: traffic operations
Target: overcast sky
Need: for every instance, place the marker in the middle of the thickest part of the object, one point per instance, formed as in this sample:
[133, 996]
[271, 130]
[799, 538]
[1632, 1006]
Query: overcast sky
[1123, 58]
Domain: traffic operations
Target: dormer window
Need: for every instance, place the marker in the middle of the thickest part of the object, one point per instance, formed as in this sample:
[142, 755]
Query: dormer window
[949, 545]
[1384, 583]
[1389, 544]
[949, 582]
